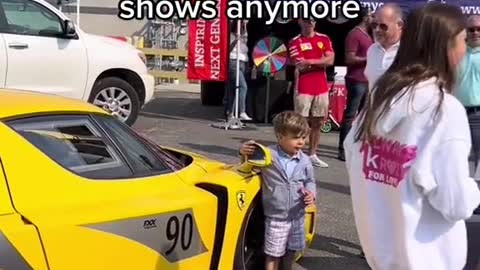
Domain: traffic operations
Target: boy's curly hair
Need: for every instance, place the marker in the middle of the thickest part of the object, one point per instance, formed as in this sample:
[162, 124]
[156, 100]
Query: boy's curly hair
[290, 122]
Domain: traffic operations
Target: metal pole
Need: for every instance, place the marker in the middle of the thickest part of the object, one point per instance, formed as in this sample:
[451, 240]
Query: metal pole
[267, 98]
[237, 81]
[78, 13]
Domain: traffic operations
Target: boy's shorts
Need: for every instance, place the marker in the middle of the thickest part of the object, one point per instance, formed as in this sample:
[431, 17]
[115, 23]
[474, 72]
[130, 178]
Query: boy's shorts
[281, 235]
[315, 106]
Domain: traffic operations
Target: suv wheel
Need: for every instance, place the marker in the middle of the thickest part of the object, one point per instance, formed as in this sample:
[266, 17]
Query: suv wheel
[117, 97]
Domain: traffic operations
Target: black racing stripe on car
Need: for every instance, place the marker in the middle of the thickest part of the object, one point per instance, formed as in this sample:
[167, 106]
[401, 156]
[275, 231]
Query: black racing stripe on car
[222, 211]
[10, 258]
[174, 235]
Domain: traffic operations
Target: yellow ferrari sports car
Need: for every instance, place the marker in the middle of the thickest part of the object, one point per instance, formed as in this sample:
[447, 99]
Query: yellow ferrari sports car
[81, 190]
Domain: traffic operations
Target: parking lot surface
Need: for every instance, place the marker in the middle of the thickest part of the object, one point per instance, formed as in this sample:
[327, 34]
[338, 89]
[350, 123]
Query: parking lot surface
[177, 119]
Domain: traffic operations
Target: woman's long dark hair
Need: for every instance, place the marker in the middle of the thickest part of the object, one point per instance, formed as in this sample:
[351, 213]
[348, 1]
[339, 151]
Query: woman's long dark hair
[429, 32]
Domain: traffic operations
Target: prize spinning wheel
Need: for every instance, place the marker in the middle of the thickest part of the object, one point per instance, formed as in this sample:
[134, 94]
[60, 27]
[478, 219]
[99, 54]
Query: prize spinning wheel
[269, 56]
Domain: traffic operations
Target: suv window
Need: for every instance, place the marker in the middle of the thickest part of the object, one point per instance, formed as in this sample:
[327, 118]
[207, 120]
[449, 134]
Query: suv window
[76, 144]
[26, 17]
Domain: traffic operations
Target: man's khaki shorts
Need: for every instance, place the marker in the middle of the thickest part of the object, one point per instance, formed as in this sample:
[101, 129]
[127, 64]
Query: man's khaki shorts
[308, 105]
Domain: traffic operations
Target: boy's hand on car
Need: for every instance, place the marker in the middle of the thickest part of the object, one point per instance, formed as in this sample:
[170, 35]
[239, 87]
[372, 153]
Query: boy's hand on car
[308, 198]
[247, 148]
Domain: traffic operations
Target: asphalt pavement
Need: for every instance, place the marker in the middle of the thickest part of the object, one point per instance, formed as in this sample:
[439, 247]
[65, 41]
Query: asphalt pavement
[176, 118]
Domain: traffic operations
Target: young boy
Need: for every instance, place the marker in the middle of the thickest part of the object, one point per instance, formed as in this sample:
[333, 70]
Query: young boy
[288, 186]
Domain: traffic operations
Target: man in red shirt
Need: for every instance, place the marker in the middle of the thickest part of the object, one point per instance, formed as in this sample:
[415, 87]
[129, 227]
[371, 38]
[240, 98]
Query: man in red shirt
[312, 52]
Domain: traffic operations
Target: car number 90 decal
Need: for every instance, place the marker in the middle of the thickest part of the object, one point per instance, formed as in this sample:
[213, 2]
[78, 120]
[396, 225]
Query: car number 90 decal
[185, 232]
[174, 234]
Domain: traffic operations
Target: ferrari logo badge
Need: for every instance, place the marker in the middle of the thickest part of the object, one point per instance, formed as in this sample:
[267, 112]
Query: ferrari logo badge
[241, 200]
[320, 45]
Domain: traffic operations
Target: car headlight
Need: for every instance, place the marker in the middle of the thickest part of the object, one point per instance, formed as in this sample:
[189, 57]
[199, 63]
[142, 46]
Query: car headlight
[142, 57]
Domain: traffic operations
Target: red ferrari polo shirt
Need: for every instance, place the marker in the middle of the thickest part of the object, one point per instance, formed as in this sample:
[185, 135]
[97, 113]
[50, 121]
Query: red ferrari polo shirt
[315, 47]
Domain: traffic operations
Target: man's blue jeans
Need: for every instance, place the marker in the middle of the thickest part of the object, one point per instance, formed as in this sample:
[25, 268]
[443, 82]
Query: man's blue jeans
[242, 91]
[356, 95]
[474, 121]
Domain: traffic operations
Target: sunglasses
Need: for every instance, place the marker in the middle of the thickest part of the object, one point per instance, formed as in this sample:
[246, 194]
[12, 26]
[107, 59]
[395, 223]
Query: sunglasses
[474, 29]
[381, 26]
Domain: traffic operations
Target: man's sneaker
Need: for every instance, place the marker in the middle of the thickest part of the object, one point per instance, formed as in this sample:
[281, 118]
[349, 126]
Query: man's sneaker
[244, 116]
[318, 162]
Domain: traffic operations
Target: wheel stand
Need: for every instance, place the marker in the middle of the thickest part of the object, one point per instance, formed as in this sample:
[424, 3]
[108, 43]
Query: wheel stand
[232, 123]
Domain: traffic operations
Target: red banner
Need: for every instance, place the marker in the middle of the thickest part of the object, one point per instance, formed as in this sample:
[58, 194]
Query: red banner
[208, 47]
[338, 101]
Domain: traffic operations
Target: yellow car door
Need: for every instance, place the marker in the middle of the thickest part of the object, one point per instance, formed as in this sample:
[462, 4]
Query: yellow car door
[103, 199]
[19, 240]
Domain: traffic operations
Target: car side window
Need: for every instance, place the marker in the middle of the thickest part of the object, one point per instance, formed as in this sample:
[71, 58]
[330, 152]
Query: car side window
[76, 144]
[140, 156]
[26, 17]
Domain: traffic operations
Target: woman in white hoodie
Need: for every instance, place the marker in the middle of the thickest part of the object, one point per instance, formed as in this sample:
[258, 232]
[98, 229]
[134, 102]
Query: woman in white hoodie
[407, 152]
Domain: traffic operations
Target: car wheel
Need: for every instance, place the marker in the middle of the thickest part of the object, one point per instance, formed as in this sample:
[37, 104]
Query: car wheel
[117, 97]
[249, 252]
[326, 127]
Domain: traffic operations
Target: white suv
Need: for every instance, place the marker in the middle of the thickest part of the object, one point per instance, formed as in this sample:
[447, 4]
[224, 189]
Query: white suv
[41, 50]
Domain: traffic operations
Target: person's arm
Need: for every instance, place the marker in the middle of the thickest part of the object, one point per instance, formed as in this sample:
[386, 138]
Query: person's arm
[243, 159]
[246, 149]
[293, 53]
[295, 78]
[461, 72]
[233, 43]
[309, 65]
[326, 60]
[351, 47]
[294, 58]
[309, 187]
[351, 59]
[310, 183]
[349, 141]
[368, 67]
[443, 172]
[455, 194]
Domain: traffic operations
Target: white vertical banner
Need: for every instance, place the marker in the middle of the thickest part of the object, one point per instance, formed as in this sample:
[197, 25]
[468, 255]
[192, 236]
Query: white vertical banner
[237, 79]
[78, 13]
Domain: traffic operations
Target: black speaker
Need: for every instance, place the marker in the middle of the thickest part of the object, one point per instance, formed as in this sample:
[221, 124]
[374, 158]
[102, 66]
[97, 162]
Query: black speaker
[279, 99]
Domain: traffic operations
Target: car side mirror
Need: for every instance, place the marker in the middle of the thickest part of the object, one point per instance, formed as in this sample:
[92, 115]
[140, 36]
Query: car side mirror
[261, 157]
[70, 29]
